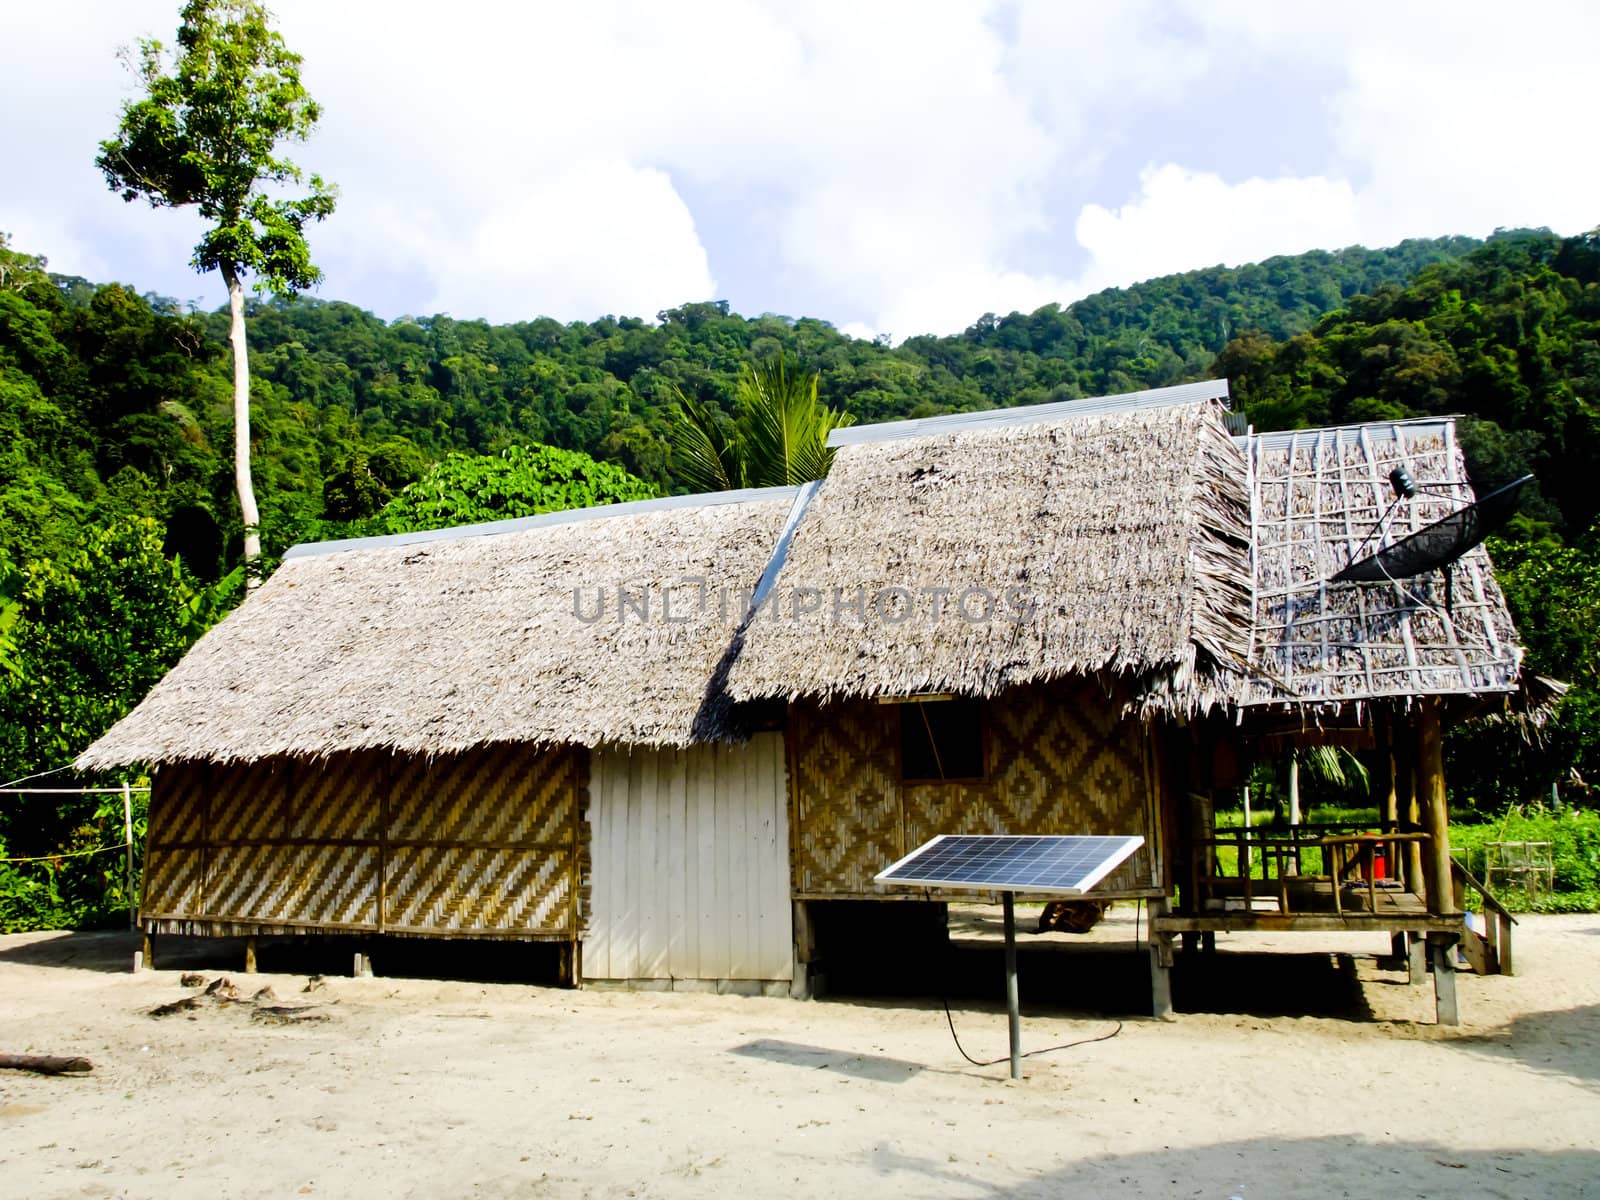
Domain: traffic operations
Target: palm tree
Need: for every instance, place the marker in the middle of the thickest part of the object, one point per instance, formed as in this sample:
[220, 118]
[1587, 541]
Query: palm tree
[1334, 765]
[778, 436]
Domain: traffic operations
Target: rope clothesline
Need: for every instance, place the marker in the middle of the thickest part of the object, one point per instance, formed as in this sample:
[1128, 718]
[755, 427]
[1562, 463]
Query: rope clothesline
[68, 854]
[127, 844]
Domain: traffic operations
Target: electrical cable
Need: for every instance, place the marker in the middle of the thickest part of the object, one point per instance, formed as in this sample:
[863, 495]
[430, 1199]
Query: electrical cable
[994, 1062]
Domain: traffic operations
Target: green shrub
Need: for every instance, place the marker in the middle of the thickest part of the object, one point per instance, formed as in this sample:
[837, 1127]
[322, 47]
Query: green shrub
[1574, 837]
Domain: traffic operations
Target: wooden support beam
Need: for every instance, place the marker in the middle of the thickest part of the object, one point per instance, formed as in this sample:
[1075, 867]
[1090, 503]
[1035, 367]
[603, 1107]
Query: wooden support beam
[1417, 960]
[149, 952]
[1435, 808]
[1160, 965]
[1385, 793]
[1398, 947]
[1446, 1009]
[805, 933]
[1405, 791]
[1503, 948]
[250, 956]
[1350, 922]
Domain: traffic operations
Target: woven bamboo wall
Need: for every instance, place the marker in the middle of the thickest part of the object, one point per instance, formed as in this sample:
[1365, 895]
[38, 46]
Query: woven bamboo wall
[486, 843]
[1060, 760]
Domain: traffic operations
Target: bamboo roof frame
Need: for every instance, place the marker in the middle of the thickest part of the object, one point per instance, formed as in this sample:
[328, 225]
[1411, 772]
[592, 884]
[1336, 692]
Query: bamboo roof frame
[1316, 495]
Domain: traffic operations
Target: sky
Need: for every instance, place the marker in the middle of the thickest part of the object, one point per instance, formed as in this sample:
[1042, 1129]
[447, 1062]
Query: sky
[893, 167]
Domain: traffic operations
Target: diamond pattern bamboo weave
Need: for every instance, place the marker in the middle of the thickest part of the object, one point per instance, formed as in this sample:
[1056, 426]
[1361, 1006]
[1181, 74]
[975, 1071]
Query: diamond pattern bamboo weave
[1061, 761]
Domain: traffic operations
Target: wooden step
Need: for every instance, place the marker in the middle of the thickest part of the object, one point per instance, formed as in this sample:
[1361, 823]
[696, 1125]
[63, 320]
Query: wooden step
[1479, 953]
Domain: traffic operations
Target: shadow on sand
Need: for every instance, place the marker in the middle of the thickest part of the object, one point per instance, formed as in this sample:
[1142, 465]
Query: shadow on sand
[1111, 980]
[818, 1058]
[411, 958]
[108, 950]
[1564, 1042]
[1262, 1168]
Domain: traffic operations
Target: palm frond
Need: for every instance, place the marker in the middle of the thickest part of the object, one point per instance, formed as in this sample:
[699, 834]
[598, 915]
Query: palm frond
[708, 453]
[785, 425]
[1335, 765]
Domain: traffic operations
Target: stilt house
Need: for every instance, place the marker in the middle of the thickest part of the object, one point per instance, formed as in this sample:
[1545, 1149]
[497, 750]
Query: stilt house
[661, 734]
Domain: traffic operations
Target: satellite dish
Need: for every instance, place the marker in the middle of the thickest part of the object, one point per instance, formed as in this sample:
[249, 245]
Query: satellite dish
[1437, 545]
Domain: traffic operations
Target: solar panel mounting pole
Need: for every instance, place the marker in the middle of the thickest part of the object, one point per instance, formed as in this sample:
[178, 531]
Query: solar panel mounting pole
[1013, 1005]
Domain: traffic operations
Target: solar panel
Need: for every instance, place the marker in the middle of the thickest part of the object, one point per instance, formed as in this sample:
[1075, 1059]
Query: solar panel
[1068, 866]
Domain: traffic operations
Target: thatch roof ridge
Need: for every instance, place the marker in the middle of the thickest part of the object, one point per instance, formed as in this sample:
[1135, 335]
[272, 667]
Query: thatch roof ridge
[1121, 533]
[531, 633]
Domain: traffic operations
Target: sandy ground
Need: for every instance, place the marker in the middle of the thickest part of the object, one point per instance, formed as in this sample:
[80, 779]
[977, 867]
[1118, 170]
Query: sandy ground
[416, 1087]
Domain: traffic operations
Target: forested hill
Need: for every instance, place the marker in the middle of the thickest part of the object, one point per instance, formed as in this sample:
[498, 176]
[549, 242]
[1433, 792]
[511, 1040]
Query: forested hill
[113, 403]
[119, 529]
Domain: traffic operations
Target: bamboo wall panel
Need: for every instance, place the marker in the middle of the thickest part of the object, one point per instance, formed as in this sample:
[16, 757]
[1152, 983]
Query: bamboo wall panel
[338, 799]
[1060, 761]
[482, 843]
[174, 869]
[847, 799]
[247, 803]
[690, 874]
[458, 889]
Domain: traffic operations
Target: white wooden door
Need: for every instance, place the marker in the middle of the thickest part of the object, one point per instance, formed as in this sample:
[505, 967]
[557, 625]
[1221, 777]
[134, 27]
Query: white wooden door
[689, 857]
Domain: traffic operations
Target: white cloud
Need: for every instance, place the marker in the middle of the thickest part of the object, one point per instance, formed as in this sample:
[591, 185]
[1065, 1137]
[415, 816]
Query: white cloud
[600, 237]
[903, 165]
[1183, 220]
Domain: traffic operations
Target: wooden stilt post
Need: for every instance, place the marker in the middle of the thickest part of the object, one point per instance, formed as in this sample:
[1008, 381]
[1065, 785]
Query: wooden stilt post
[1385, 795]
[250, 956]
[1435, 808]
[149, 952]
[1416, 959]
[1406, 807]
[1444, 979]
[1160, 964]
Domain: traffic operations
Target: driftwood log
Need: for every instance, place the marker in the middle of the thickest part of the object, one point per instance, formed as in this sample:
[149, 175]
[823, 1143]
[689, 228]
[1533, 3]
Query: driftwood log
[45, 1064]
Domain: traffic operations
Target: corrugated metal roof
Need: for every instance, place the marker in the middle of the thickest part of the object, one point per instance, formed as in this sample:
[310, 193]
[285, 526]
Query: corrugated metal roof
[567, 516]
[1031, 414]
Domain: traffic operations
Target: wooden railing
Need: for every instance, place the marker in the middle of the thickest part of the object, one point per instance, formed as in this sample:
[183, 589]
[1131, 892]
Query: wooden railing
[1279, 862]
[1490, 951]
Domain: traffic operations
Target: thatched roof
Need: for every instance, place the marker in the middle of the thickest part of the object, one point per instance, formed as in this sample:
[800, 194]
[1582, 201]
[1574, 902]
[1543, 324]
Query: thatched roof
[437, 642]
[1107, 539]
[1317, 494]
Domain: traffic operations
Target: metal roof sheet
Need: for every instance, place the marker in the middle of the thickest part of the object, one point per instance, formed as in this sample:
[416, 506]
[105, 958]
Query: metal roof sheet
[1031, 414]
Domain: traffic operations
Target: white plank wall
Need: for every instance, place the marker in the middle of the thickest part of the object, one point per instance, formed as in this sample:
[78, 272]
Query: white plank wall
[690, 864]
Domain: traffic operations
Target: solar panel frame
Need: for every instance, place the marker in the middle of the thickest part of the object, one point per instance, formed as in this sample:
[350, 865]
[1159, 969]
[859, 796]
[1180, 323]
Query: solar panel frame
[1060, 864]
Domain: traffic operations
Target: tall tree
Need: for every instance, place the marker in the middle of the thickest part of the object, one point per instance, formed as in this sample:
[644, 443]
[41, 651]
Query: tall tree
[206, 133]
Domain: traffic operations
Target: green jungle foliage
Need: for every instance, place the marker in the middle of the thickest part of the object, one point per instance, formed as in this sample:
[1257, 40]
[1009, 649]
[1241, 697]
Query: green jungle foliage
[1574, 838]
[520, 481]
[116, 416]
[87, 635]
